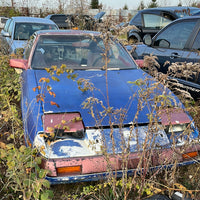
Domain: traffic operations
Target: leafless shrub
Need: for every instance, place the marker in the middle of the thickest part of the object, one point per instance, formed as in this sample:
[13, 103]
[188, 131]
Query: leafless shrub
[175, 70]
[4, 48]
[185, 70]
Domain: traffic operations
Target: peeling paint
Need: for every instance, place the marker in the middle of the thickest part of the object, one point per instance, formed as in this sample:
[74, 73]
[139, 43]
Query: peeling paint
[93, 143]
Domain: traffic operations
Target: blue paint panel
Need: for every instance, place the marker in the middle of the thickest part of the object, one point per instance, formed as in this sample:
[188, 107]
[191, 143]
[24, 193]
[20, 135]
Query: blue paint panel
[31, 110]
[70, 98]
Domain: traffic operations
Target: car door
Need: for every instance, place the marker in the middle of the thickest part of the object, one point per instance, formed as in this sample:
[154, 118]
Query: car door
[193, 56]
[171, 44]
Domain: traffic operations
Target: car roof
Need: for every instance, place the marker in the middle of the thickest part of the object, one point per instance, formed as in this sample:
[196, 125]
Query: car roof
[48, 16]
[173, 8]
[192, 10]
[32, 20]
[66, 32]
[57, 15]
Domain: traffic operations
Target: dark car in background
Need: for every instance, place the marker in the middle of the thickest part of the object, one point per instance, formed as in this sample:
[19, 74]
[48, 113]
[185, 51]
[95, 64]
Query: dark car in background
[73, 21]
[60, 20]
[178, 43]
[152, 20]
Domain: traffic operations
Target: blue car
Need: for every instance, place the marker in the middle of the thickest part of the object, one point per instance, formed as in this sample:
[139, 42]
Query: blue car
[84, 107]
[17, 31]
[178, 42]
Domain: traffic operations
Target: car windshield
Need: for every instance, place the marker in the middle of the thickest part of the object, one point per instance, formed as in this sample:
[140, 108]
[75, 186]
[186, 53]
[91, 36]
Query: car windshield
[23, 31]
[79, 52]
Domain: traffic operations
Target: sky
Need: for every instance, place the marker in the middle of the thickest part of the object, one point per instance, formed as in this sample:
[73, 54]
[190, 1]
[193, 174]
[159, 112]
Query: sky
[134, 4]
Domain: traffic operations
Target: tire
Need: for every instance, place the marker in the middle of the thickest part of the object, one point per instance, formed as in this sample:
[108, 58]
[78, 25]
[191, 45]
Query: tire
[133, 40]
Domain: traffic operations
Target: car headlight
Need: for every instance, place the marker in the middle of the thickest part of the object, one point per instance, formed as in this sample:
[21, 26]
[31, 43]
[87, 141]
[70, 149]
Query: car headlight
[176, 128]
[62, 125]
[174, 119]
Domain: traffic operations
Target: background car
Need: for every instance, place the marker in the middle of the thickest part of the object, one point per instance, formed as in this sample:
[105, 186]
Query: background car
[76, 20]
[18, 30]
[67, 116]
[177, 43]
[59, 19]
[152, 20]
[99, 17]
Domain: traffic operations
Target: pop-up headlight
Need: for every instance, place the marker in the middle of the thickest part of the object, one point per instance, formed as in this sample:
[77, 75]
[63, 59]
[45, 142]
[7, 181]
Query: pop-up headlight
[174, 119]
[62, 125]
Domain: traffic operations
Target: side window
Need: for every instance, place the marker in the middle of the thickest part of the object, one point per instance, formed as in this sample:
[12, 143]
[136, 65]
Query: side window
[151, 21]
[7, 25]
[10, 28]
[176, 35]
[196, 44]
[155, 21]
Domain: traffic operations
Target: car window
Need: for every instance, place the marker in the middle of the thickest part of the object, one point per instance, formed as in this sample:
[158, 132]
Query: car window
[10, 28]
[23, 31]
[7, 25]
[196, 44]
[79, 52]
[59, 18]
[176, 35]
[156, 21]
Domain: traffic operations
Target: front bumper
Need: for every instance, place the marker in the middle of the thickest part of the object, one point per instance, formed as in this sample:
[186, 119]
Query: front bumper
[105, 175]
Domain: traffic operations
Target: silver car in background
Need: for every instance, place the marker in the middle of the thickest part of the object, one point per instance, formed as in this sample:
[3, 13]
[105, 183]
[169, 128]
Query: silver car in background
[17, 31]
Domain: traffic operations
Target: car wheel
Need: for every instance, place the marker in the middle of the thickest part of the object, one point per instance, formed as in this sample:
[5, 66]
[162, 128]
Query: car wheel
[133, 40]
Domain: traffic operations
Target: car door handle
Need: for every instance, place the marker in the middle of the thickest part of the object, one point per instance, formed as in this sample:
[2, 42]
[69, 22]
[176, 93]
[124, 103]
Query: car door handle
[175, 55]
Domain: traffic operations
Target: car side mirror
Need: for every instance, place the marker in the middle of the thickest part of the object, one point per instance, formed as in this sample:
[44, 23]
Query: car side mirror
[5, 34]
[19, 63]
[164, 43]
[147, 39]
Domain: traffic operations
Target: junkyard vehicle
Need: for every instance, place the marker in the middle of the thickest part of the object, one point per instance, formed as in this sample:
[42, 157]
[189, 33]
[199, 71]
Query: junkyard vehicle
[152, 20]
[83, 114]
[18, 30]
[61, 20]
[71, 21]
[99, 17]
[178, 42]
